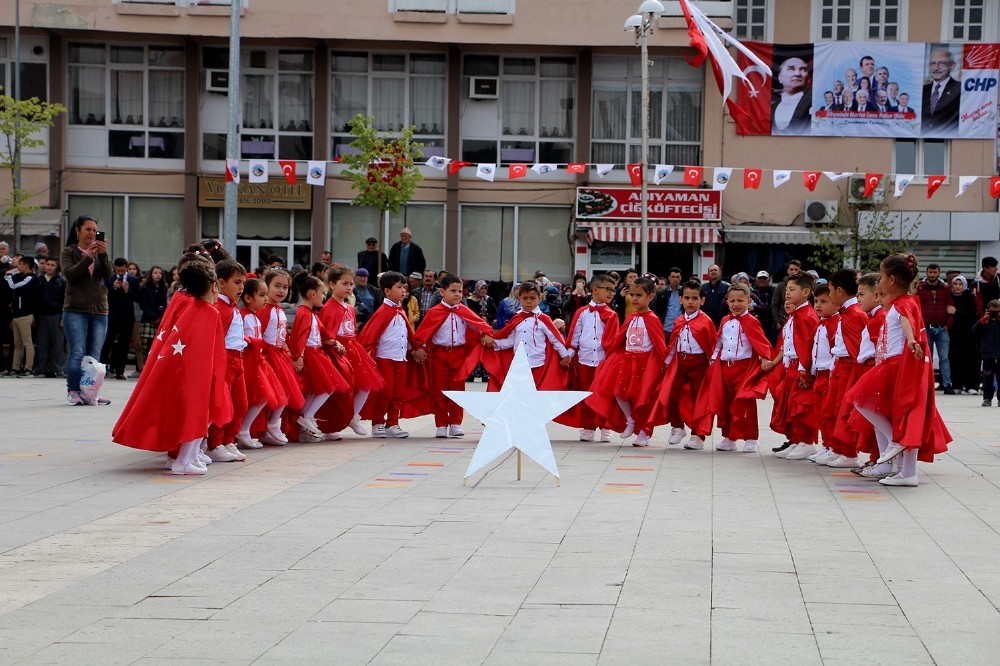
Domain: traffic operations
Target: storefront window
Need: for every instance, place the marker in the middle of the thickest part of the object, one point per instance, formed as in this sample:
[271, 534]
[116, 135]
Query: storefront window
[487, 243]
[351, 225]
[146, 230]
[495, 239]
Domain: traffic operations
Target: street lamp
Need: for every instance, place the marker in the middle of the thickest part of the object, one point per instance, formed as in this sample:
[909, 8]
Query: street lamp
[642, 24]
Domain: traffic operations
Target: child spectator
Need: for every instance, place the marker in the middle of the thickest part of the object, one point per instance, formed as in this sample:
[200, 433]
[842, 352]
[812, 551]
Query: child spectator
[26, 301]
[987, 331]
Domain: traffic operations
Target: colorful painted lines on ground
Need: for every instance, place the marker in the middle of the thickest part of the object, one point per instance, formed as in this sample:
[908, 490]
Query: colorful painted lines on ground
[424, 464]
[863, 491]
[634, 469]
[25, 455]
[623, 487]
[448, 449]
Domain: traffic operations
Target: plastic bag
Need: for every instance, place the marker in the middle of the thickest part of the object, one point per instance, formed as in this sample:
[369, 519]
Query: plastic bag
[91, 379]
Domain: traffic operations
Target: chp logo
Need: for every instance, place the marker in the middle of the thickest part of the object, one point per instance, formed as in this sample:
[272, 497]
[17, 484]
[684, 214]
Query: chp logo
[980, 58]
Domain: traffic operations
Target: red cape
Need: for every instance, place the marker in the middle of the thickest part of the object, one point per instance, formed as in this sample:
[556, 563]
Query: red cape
[706, 336]
[573, 416]
[852, 321]
[434, 319]
[416, 393]
[184, 387]
[497, 362]
[804, 331]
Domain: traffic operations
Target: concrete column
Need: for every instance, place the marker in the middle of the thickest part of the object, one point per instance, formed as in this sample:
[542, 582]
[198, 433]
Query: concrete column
[57, 133]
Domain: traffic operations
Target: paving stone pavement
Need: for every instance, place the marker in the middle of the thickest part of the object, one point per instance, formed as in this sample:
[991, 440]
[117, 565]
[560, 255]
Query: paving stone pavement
[373, 551]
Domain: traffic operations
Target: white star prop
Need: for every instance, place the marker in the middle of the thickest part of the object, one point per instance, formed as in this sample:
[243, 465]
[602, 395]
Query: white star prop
[178, 347]
[516, 416]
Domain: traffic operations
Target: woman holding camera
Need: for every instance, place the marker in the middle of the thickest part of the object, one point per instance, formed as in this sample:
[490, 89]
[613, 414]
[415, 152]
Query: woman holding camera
[85, 265]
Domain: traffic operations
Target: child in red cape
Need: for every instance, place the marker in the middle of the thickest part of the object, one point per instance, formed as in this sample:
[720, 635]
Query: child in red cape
[176, 402]
[692, 339]
[262, 386]
[274, 326]
[793, 414]
[822, 365]
[389, 338]
[453, 337]
[542, 341]
[591, 335]
[627, 385]
[735, 379]
[897, 395]
[318, 377]
[354, 364]
[222, 437]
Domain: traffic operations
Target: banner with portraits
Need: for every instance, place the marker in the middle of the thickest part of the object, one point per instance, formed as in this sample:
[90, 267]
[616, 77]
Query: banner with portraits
[872, 89]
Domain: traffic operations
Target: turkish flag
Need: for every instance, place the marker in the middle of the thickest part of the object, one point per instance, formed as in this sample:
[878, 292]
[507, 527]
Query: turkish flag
[576, 168]
[995, 187]
[456, 166]
[751, 178]
[871, 182]
[692, 175]
[635, 174]
[515, 171]
[757, 102]
[933, 183]
[809, 179]
[288, 168]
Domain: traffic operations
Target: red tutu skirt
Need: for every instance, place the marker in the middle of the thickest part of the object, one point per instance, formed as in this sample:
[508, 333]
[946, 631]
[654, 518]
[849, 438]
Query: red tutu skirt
[619, 376]
[365, 374]
[862, 434]
[281, 363]
[262, 384]
[319, 374]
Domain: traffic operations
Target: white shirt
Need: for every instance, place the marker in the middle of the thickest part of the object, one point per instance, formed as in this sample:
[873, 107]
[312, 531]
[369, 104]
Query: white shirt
[587, 336]
[534, 335]
[839, 346]
[686, 342]
[867, 349]
[637, 337]
[276, 330]
[788, 343]
[234, 334]
[451, 333]
[732, 344]
[822, 358]
[314, 340]
[892, 340]
[393, 343]
[783, 112]
[251, 326]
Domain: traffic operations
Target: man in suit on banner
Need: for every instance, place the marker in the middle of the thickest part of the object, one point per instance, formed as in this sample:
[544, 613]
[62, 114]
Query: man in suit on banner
[942, 95]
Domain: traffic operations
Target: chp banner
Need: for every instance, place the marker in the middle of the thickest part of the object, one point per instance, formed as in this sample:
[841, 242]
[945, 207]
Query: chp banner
[624, 203]
[869, 89]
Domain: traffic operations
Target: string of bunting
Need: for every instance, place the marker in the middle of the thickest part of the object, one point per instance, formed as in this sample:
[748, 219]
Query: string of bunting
[693, 175]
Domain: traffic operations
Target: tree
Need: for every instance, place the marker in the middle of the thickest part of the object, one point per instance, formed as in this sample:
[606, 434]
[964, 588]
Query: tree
[21, 122]
[381, 168]
[862, 234]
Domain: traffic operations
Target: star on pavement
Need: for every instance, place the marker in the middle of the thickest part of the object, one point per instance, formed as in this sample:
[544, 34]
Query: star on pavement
[516, 416]
[178, 347]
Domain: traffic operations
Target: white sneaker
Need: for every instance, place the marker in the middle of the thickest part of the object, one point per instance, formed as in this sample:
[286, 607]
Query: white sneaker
[395, 432]
[586, 435]
[843, 461]
[221, 454]
[356, 426]
[332, 437]
[441, 432]
[750, 446]
[695, 443]
[455, 431]
[240, 456]
[186, 469]
[790, 449]
[606, 435]
[274, 432]
[801, 453]
[203, 458]
[899, 480]
[825, 459]
[306, 437]
[822, 453]
[378, 431]
[676, 435]
[891, 452]
[642, 439]
[247, 442]
[726, 445]
[310, 425]
[629, 429]
[270, 440]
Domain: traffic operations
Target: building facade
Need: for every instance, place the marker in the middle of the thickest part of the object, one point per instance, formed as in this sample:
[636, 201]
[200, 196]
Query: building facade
[142, 145]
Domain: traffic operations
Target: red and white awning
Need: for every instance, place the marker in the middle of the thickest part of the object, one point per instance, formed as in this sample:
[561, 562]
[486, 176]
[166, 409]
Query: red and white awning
[629, 232]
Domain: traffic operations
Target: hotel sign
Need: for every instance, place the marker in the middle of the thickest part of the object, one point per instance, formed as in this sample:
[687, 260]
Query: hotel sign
[275, 194]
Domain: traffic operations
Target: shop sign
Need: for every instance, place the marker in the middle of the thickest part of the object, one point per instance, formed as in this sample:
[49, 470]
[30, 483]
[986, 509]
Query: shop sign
[275, 194]
[624, 203]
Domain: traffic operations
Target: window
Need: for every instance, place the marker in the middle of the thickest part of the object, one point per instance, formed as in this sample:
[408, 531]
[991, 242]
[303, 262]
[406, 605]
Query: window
[276, 89]
[922, 157]
[135, 92]
[751, 20]
[883, 20]
[398, 89]
[844, 20]
[146, 230]
[508, 242]
[835, 20]
[351, 225]
[532, 118]
[453, 6]
[34, 70]
[264, 232]
[675, 116]
[971, 20]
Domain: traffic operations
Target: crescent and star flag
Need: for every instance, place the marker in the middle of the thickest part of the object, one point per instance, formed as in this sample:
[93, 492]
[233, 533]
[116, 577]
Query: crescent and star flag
[809, 179]
[692, 175]
[871, 182]
[995, 187]
[781, 177]
[964, 183]
[604, 169]
[316, 174]
[933, 183]
[838, 175]
[457, 165]
[661, 172]
[288, 168]
[515, 171]
[258, 171]
[751, 178]
[544, 168]
[635, 174]
[721, 177]
[576, 168]
[486, 171]
[902, 180]
[232, 170]
[438, 163]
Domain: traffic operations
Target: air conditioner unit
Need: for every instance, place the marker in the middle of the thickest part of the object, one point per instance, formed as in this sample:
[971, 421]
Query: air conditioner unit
[484, 87]
[821, 212]
[856, 192]
[217, 81]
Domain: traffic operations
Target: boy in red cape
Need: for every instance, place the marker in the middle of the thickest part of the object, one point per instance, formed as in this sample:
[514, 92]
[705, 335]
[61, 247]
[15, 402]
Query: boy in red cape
[222, 437]
[627, 384]
[692, 339]
[735, 379]
[388, 337]
[174, 403]
[453, 337]
[793, 414]
[542, 341]
[591, 334]
[822, 364]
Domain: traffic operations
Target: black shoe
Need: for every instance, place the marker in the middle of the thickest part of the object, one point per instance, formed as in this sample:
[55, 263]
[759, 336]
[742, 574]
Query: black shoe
[948, 390]
[782, 447]
[119, 376]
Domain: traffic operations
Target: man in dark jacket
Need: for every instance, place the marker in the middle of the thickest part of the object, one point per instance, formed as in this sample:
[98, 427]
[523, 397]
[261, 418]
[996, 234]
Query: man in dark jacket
[366, 297]
[938, 310]
[406, 256]
[714, 292]
[765, 294]
[50, 359]
[123, 294]
[987, 284]
[371, 258]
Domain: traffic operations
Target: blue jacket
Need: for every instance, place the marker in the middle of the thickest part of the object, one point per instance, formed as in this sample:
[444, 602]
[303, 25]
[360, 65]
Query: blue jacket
[988, 335]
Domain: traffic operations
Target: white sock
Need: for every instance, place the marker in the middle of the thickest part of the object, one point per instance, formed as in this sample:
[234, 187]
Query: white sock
[252, 412]
[188, 452]
[274, 419]
[909, 466]
[360, 398]
[626, 407]
[883, 429]
[313, 405]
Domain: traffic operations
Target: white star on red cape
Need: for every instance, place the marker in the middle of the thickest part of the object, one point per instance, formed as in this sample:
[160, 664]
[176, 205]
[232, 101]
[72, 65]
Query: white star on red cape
[178, 347]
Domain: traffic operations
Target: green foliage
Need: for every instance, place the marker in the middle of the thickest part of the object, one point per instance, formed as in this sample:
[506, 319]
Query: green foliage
[20, 124]
[382, 171]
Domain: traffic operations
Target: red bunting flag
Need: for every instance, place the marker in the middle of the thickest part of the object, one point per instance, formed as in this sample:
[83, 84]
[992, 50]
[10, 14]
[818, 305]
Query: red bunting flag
[751, 178]
[635, 174]
[871, 182]
[456, 165]
[515, 171]
[692, 175]
[288, 168]
[576, 168]
[809, 179]
[933, 183]
[995, 187]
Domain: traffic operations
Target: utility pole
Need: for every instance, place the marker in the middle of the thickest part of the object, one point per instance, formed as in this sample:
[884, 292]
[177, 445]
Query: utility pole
[229, 214]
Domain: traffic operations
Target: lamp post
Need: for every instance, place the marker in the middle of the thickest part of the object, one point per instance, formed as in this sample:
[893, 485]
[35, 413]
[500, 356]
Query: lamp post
[17, 121]
[642, 24]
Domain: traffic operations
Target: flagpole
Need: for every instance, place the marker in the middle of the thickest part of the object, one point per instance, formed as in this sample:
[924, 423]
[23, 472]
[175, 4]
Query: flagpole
[231, 205]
